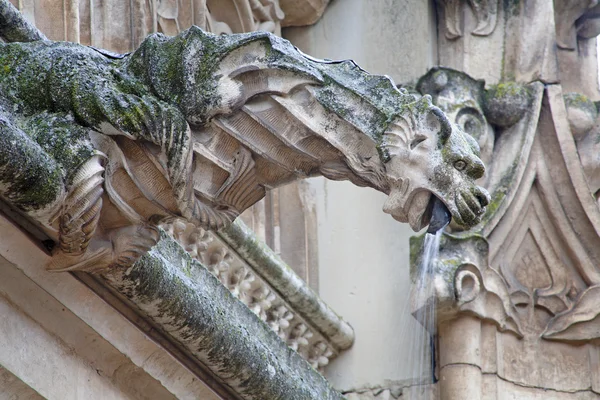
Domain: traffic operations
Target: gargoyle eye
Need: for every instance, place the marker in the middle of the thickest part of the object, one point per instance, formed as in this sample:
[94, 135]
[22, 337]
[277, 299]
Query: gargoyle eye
[417, 141]
[460, 165]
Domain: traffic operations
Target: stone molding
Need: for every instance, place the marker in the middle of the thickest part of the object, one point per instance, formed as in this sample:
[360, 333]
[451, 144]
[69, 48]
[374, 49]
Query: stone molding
[187, 302]
[270, 289]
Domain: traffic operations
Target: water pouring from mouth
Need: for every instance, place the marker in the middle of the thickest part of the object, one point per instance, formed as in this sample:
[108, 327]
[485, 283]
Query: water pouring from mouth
[440, 216]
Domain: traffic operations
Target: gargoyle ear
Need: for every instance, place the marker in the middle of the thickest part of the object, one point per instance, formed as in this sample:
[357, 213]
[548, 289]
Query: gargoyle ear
[439, 122]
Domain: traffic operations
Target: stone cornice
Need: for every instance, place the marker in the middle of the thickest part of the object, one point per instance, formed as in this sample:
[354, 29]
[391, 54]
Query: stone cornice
[255, 275]
[185, 301]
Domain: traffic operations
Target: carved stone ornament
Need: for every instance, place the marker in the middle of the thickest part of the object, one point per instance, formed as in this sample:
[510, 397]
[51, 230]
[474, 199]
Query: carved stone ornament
[572, 17]
[525, 185]
[218, 16]
[262, 298]
[485, 12]
[527, 277]
[99, 148]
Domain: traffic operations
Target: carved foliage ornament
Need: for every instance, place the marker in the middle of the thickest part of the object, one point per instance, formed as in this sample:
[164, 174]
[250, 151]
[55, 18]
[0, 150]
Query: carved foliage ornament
[200, 126]
[250, 288]
[531, 265]
[485, 12]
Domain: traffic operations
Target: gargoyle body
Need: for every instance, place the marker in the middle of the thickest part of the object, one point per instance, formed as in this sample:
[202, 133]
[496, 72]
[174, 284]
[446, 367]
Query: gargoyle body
[98, 148]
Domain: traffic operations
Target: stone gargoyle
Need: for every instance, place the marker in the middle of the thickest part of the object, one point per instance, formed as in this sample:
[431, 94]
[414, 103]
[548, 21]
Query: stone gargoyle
[97, 148]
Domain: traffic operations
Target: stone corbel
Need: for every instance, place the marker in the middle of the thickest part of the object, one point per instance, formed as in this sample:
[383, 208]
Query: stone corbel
[463, 284]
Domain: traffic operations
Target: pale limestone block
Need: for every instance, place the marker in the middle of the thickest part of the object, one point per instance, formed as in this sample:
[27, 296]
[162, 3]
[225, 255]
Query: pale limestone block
[489, 387]
[112, 327]
[460, 382]
[488, 347]
[579, 68]
[510, 391]
[529, 44]
[460, 341]
[595, 367]
[463, 49]
[377, 394]
[541, 363]
[82, 340]
[12, 388]
[343, 32]
[46, 363]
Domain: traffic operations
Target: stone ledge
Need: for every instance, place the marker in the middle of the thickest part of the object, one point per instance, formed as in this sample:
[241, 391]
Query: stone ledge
[291, 287]
[190, 305]
[255, 275]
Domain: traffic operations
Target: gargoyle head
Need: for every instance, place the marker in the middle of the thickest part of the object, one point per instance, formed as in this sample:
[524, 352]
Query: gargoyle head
[426, 157]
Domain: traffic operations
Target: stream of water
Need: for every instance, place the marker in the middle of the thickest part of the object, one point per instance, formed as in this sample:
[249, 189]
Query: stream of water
[422, 354]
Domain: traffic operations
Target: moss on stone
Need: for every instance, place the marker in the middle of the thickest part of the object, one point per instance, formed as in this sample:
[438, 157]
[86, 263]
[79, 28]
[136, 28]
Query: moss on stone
[581, 101]
[207, 320]
[60, 137]
[506, 103]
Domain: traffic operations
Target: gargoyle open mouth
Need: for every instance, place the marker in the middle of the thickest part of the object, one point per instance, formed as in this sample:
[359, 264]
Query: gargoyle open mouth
[439, 214]
[427, 209]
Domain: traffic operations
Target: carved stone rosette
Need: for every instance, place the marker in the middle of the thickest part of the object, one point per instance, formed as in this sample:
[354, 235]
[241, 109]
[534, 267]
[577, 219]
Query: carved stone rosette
[234, 271]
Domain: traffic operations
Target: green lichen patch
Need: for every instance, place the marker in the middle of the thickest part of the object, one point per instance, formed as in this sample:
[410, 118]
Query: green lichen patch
[29, 177]
[506, 103]
[60, 137]
[580, 101]
[207, 320]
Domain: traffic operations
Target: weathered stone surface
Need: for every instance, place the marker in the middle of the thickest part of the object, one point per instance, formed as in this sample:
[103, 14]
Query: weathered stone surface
[506, 103]
[14, 28]
[186, 300]
[13, 387]
[582, 114]
[189, 105]
[304, 12]
[97, 331]
[534, 279]
[262, 281]
[485, 12]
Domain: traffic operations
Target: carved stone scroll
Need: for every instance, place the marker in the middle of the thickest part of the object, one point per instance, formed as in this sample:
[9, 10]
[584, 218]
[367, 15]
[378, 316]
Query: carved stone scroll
[567, 13]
